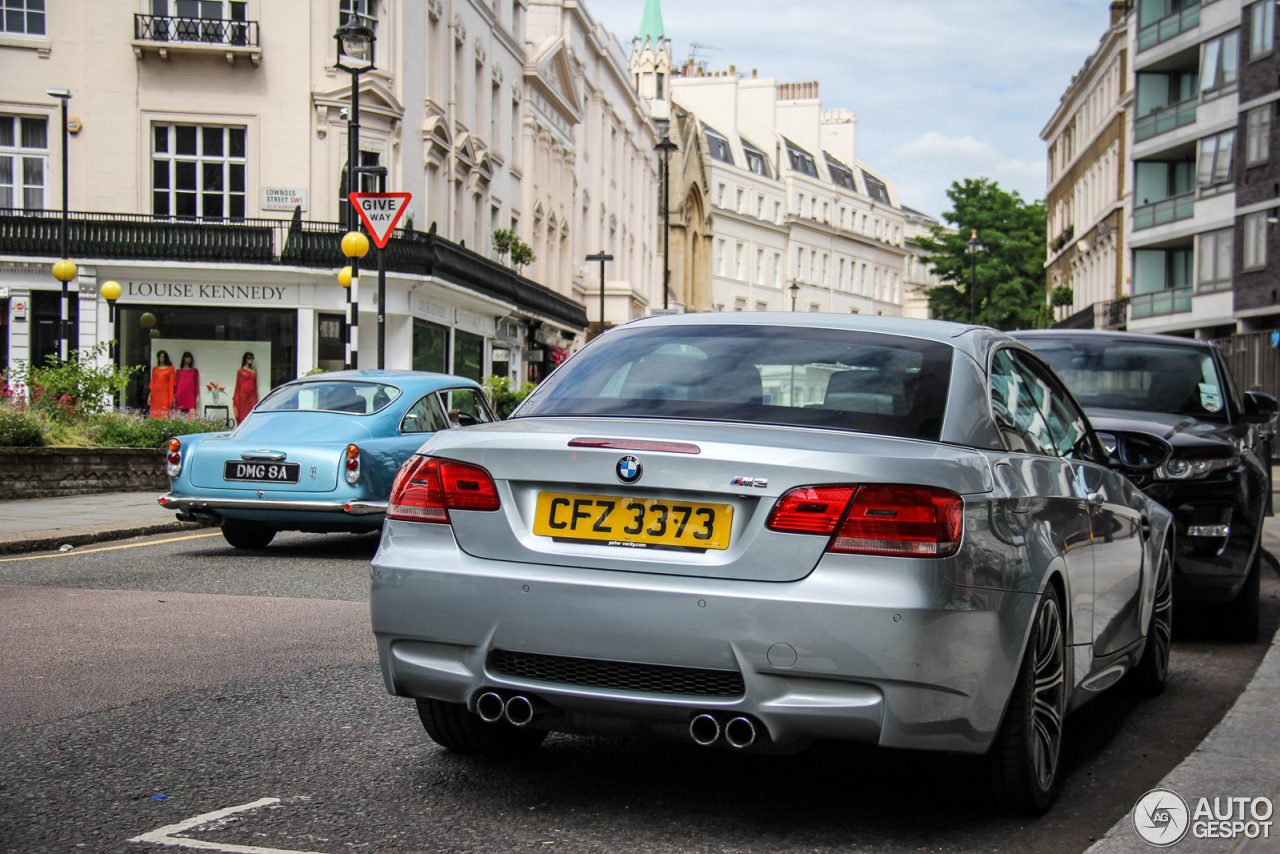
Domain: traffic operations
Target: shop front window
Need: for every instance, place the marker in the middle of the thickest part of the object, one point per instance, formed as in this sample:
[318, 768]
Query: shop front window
[217, 340]
[468, 355]
[430, 347]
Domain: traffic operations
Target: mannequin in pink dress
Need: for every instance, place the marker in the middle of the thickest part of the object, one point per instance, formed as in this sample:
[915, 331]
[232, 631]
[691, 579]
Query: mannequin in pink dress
[246, 394]
[186, 391]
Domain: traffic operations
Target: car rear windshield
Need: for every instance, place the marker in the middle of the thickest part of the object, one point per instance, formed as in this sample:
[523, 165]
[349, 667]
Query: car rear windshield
[330, 396]
[793, 376]
[1142, 377]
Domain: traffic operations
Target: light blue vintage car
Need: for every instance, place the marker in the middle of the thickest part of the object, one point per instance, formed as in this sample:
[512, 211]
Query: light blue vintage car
[317, 454]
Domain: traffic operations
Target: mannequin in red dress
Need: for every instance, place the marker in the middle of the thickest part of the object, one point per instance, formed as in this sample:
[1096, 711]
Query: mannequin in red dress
[246, 393]
[162, 386]
[186, 389]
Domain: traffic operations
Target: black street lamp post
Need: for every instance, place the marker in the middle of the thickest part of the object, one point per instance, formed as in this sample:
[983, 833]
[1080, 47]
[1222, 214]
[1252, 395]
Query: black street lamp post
[601, 256]
[975, 246]
[64, 270]
[665, 147]
[355, 56]
[795, 291]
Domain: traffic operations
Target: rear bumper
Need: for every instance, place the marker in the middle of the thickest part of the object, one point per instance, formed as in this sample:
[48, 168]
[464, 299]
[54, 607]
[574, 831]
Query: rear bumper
[196, 506]
[902, 659]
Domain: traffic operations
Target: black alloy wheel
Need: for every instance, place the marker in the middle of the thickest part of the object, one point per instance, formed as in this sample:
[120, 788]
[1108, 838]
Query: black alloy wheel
[1152, 671]
[1024, 759]
[454, 728]
[247, 535]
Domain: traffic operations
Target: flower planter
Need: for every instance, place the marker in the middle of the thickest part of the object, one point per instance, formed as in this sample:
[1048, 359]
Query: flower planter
[55, 472]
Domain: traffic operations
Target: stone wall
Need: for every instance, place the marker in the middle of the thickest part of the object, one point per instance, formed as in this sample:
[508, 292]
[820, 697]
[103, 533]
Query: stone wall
[53, 472]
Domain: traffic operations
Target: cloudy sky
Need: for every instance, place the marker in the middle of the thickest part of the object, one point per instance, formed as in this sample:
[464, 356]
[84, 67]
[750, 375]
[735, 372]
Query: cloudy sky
[943, 89]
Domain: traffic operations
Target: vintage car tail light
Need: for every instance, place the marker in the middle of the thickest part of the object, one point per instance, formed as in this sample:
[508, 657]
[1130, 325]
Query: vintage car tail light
[427, 488]
[877, 519]
[353, 463]
[173, 462]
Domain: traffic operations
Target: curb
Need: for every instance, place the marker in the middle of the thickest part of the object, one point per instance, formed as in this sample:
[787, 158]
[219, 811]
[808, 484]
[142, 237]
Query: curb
[43, 541]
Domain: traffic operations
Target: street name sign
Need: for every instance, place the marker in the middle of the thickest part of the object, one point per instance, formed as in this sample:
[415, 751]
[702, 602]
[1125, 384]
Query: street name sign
[380, 212]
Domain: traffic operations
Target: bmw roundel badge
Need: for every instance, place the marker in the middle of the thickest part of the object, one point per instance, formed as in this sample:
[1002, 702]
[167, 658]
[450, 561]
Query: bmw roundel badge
[629, 469]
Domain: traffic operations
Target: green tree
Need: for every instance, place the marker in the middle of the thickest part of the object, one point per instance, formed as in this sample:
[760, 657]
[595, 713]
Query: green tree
[1010, 268]
[507, 242]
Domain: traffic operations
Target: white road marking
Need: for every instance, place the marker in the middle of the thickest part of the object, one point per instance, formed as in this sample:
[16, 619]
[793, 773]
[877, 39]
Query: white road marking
[165, 835]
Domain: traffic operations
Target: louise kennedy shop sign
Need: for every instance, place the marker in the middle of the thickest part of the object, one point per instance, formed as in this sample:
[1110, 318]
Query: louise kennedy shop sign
[187, 292]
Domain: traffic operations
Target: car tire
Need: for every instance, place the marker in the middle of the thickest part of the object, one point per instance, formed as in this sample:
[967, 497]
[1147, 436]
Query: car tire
[1240, 617]
[454, 728]
[247, 535]
[1152, 671]
[1022, 765]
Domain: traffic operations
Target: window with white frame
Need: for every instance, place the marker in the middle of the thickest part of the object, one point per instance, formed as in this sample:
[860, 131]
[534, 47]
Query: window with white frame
[1220, 63]
[801, 161]
[1257, 146]
[198, 171]
[720, 257]
[1255, 241]
[1215, 159]
[24, 159]
[759, 279]
[1214, 260]
[756, 161]
[718, 145]
[1262, 28]
[366, 9]
[738, 204]
[777, 269]
[759, 207]
[720, 188]
[799, 263]
[777, 213]
[737, 260]
[22, 17]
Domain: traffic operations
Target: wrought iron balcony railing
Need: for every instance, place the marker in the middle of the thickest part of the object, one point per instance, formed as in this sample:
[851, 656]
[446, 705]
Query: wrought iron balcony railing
[105, 237]
[162, 28]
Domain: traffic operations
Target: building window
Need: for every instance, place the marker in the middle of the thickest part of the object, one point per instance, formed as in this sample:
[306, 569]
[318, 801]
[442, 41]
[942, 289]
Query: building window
[22, 17]
[841, 175]
[876, 188]
[720, 257]
[759, 207]
[801, 160]
[777, 269]
[1219, 64]
[720, 195]
[198, 171]
[737, 261]
[739, 303]
[366, 9]
[777, 212]
[756, 161]
[719, 147]
[24, 155]
[738, 205]
[759, 279]
[1257, 135]
[1262, 28]
[1255, 241]
[1215, 159]
[1214, 252]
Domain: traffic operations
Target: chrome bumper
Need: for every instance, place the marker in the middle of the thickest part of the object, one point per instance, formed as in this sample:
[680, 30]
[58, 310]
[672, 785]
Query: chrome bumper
[351, 508]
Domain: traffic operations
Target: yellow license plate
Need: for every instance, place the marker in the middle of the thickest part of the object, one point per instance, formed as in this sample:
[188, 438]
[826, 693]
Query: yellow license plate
[652, 521]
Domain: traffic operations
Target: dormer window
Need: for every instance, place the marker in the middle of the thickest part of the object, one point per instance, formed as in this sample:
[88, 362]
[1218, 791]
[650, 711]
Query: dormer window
[719, 146]
[876, 188]
[756, 161]
[801, 160]
[841, 175]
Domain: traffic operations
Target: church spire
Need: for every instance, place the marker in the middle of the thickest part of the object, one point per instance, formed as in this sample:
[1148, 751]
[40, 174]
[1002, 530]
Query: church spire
[651, 25]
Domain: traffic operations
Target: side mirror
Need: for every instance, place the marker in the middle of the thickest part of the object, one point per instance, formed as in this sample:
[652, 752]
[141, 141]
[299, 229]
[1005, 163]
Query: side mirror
[1136, 452]
[1259, 407]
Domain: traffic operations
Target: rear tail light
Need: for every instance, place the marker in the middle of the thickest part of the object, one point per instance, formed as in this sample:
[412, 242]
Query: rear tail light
[427, 488]
[876, 519]
[173, 461]
[352, 463]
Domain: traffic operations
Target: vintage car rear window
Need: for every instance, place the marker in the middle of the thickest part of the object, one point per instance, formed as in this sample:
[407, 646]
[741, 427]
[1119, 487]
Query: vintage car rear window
[358, 398]
[802, 377]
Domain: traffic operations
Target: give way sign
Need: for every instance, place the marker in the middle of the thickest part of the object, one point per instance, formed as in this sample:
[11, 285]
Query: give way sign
[380, 212]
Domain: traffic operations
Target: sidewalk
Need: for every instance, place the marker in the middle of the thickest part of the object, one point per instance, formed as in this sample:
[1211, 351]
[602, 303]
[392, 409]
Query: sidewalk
[46, 524]
[1239, 758]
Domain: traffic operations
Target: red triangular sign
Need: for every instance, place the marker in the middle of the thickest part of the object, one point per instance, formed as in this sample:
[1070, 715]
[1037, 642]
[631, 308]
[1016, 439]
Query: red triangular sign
[380, 213]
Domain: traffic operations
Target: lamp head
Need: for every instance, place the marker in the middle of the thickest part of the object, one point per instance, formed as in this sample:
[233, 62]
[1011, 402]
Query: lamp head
[62, 94]
[355, 46]
[355, 244]
[110, 291]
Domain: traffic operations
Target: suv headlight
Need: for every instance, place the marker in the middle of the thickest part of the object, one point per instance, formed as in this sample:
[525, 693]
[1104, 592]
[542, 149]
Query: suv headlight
[1179, 468]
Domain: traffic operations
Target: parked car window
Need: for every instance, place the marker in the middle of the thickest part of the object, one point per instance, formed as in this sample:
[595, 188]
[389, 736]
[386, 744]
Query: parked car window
[425, 416]
[359, 398]
[467, 406]
[1068, 428]
[840, 379]
[1016, 409]
[1141, 377]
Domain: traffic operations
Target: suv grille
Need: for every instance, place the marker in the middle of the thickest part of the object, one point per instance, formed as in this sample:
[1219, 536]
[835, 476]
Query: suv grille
[622, 676]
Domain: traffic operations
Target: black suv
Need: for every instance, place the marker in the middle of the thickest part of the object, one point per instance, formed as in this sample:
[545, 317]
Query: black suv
[1217, 483]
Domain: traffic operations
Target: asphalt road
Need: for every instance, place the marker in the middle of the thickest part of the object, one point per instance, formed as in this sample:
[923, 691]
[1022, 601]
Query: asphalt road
[149, 683]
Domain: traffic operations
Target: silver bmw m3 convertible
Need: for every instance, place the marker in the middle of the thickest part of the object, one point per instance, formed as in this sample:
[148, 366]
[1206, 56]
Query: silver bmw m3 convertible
[755, 531]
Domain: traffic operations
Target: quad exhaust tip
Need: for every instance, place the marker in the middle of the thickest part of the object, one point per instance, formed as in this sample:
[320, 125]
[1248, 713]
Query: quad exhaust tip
[518, 711]
[740, 733]
[704, 730]
[490, 707]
